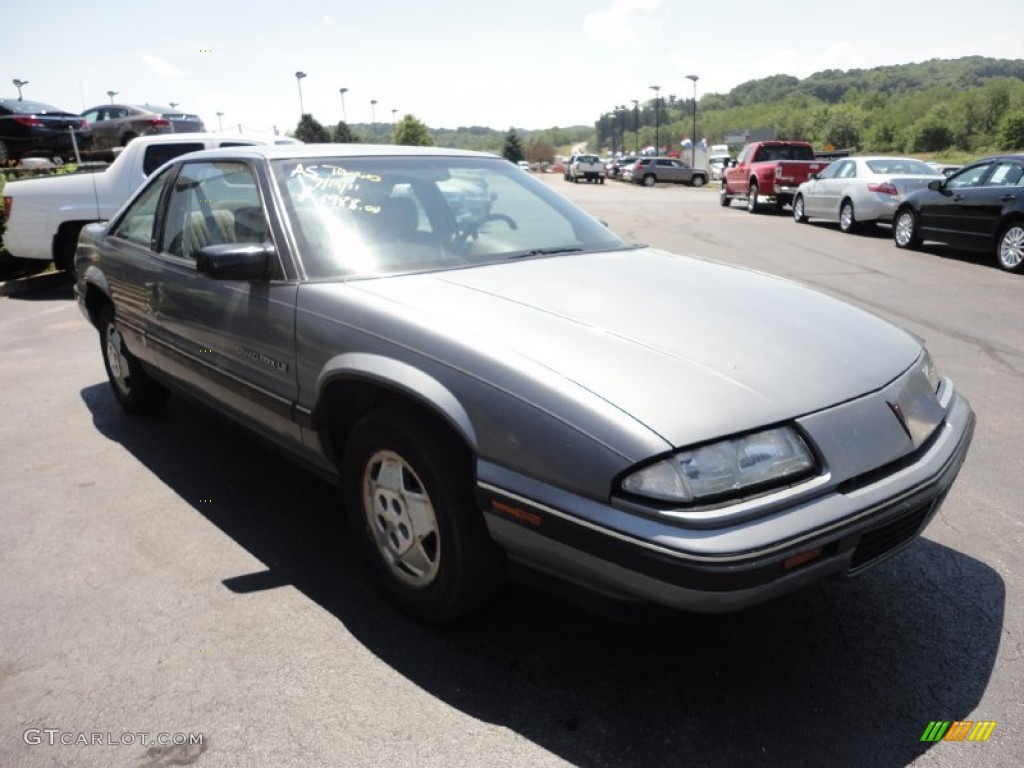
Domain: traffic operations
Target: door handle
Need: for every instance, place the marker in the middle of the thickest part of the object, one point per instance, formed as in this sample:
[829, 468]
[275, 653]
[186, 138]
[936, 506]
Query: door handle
[1007, 198]
[958, 198]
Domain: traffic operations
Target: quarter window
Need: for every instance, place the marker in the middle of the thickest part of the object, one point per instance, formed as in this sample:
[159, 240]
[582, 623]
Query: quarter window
[136, 225]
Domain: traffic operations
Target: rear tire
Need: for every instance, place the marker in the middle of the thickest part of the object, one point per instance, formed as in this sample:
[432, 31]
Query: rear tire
[1010, 247]
[847, 218]
[409, 496]
[5, 155]
[133, 387]
[649, 180]
[752, 198]
[65, 246]
[127, 138]
[904, 230]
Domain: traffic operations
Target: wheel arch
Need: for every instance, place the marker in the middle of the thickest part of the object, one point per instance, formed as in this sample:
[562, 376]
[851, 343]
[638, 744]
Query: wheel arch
[97, 294]
[352, 385]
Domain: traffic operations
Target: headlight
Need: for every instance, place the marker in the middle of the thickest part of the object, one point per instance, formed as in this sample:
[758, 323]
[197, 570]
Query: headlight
[728, 467]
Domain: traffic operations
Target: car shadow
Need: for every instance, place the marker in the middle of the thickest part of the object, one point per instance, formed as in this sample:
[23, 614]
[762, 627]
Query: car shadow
[843, 673]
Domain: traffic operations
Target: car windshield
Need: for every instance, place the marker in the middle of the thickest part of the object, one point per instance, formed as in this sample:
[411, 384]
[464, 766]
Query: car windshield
[369, 216]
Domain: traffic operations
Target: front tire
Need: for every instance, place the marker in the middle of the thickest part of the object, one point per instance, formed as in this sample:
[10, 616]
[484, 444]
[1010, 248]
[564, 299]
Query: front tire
[904, 230]
[798, 210]
[723, 196]
[1010, 247]
[409, 496]
[698, 181]
[133, 387]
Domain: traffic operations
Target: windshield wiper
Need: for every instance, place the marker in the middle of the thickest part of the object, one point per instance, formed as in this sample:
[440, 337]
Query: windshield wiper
[542, 252]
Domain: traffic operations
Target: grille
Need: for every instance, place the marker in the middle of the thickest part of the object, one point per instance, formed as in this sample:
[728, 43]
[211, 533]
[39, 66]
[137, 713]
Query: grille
[884, 539]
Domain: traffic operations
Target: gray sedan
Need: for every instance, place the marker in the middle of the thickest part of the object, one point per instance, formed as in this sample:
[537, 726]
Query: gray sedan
[494, 378]
[856, 191]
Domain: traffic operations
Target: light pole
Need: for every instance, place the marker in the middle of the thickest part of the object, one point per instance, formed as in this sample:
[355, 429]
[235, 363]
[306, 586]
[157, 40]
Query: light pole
[220, 123]
[636, 126]
[656, 89]
[622, 109]
[17, 84]
[693, 146]
[112, 94]
[343, 91]
[373, 117]
[298, 79]
[393, 113]
[173, 104]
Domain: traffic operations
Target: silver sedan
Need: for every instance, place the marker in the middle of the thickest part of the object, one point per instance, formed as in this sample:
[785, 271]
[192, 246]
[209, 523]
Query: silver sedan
[861, 190]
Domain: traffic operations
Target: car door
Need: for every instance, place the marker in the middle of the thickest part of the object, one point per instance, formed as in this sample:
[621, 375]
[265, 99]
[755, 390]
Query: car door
[816, 192]
[833, 188]
[669, 170]
[953, 213]
[231, 341]
[98, 120]
[982, 206]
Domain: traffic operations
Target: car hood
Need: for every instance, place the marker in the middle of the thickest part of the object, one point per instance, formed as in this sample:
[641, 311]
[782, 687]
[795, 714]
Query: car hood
[692, 349]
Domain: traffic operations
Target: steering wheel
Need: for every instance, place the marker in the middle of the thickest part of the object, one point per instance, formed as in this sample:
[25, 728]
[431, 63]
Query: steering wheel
[471, 230]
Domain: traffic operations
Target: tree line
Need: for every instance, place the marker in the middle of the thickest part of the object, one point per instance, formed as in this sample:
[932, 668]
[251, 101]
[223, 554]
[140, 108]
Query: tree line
[968, 105]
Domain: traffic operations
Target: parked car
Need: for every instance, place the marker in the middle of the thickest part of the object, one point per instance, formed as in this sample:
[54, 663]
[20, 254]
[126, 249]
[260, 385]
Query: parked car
[34, 129]
[613, 168]
[980, 208]
[857, 191]
[653, 170]
[481, 401]
[717, 166]
[114, 125]
[946, 169]
[525, 165]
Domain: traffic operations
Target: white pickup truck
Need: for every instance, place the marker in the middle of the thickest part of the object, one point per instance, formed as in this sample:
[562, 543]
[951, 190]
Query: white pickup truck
[586, 167]
[44, 214]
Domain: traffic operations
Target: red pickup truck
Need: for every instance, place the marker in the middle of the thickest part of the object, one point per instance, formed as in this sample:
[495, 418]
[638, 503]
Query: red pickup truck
[769, 171]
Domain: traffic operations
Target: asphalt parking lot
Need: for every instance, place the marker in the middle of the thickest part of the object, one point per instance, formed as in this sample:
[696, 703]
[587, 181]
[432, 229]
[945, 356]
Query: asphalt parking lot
[169, 576]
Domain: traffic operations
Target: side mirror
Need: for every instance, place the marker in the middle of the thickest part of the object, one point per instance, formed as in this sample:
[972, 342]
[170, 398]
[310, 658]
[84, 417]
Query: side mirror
[813, 177]
[236, 261]
[936, 185]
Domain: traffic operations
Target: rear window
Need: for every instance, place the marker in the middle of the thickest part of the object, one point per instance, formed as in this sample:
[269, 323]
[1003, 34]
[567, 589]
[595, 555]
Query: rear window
[158, 154]
[24, 107]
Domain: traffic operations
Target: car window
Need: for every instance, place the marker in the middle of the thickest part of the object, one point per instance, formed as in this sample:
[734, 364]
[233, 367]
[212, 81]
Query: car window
[371, 216]
[158, 154]
[212, 203]
[968, 177]
[136, 225]
[1005, 174]
[847, 170]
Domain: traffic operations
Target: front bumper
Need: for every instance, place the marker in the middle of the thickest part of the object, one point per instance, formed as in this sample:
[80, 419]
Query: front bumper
[637, 558]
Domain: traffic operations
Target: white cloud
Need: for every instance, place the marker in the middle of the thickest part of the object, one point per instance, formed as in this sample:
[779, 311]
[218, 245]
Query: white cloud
[161, 67]
[613, 25]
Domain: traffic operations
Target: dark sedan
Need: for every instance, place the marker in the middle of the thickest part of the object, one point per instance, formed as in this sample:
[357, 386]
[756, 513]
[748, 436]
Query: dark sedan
[979, 208]
[496, 378]
[33, 129]
[114, 125]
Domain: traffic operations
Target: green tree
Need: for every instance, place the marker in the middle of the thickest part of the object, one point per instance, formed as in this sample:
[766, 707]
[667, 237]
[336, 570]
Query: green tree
[1011, 130]
[411, 132]
[842, 130]
[513, 149]
[311, 131]
[343, 134]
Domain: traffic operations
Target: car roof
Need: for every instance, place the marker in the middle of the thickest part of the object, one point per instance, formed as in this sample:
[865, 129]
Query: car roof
[196, 136]
[299, 151]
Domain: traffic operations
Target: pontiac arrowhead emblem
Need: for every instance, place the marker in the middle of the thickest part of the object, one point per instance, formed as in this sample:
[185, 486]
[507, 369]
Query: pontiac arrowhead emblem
[897, 411]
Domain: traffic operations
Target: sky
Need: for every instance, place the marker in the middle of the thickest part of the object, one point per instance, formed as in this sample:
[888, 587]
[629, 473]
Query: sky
[527, 64]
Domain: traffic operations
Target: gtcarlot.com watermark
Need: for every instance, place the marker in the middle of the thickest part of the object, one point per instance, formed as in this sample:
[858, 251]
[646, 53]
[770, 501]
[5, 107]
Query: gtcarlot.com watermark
[55, 737]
